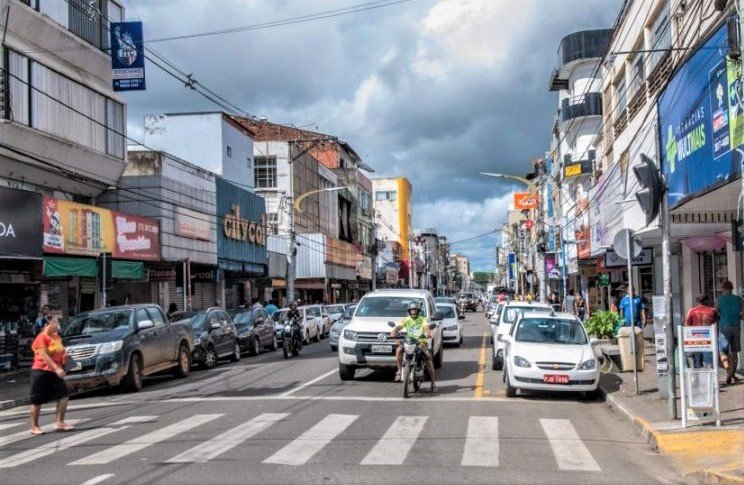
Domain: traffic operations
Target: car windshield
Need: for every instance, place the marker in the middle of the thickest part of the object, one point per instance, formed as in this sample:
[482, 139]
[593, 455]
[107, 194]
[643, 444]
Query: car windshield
[447, 311]
[198, 321]
[513, 311]
[444, 299]
[388, 306]
[242, 319]
[349, 312]
[182, 315]
[550, 331]
[98, 322]
[469, 296]
[335, 309]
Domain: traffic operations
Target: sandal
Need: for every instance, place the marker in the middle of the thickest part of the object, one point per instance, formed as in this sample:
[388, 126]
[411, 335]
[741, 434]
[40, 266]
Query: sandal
[397, 377]
[63, 427]
[37, 432]
[434, 390]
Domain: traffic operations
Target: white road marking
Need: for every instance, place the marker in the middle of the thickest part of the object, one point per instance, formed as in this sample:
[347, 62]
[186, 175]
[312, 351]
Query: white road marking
[308, 383]
[134, 445]
[99, 479]
[9, 425]
[70, 408]
[482, 442]
[75, 438]
[228, 440]
[25, 434]
[428, 398]
[299, 451]
[568, 449]
[393, 447]
[135, 420]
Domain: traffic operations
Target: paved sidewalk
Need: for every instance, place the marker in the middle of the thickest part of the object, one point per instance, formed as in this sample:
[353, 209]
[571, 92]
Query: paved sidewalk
[14, 388]
[702, 451]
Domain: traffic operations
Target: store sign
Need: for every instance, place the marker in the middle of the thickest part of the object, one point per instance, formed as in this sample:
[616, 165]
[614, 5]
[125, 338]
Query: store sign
[127, 56]
[193, 225]
[161, 273]
[604, 279]
[701, 119]
[241, 227]
[85, 230]
[577, 168]
[613, 260]
[698, 338]
[525, 201]
[20, 223]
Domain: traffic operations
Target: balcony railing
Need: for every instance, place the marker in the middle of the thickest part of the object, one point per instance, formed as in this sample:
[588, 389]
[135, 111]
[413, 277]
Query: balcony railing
[589, 104]
[586, 44]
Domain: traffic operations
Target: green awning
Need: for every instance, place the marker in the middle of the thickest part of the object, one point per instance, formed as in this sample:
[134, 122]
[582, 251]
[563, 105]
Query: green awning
[56, 267]
[128, 270]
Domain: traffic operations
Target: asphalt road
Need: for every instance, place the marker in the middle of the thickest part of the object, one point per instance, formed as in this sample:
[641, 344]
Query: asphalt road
[267, 420]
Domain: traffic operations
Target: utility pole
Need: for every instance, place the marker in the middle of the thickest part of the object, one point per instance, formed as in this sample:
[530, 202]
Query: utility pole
[542, 245]
[666, 264]
[374, 252]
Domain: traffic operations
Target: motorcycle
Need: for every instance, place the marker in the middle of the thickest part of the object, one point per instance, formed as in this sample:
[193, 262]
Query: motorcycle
[414, 365]
[462, 306]
[292, 339]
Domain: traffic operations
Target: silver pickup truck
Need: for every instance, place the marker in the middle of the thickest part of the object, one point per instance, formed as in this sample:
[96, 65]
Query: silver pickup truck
[123, 344]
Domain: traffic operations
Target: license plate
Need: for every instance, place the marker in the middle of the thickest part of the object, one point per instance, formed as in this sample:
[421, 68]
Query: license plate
[555, 379]
[382, 349]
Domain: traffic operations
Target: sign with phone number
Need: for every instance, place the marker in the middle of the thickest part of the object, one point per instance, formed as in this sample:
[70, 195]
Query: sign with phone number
[698, 339]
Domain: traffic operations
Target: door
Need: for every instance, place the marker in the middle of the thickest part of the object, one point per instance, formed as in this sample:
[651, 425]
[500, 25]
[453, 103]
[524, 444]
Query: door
[165, 335]
[311, 322]
[216, 332]
[262, 325]
[227, 331]
[148, 340]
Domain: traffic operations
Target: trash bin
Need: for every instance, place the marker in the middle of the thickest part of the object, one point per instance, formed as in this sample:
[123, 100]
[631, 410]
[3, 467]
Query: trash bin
[626, 350]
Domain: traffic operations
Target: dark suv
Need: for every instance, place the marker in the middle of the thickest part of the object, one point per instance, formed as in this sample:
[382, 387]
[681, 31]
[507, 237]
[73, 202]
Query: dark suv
[215, 337]
[121, 345]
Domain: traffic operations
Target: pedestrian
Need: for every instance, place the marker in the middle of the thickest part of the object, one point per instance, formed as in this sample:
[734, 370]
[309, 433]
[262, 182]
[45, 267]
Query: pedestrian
[554, 301]
[271, 307]
[570, 299]
[638, 311]
[257, 303]
[580, 307]
[699, 315]
[47, 376]
[172, 308]
[46, 313]
[729, 308]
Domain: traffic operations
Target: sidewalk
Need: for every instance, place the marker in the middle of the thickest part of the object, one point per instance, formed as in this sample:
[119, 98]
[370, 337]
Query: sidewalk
[702, 451]
[14, 388]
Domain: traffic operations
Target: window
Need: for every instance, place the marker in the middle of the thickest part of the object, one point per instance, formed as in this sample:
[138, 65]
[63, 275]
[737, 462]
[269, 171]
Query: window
[156, 316]
[248, 162]
[62, 107]
[272, 221]
[621, 94]
[142, 315]
[637, 76]
[386, 195]
[661, 36]
[265, 172]
[229, 151]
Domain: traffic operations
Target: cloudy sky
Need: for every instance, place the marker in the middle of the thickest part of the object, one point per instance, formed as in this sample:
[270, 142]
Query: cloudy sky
[434, 90]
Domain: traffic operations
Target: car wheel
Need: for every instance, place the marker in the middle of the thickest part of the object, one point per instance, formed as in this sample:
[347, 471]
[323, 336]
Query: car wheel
[235, 357]
[510, 391]
[318, 334]
[346, 372]
[438, 358]
[184, 362]
[255, 346]
[210, 358]
[306, 338]
[274, 344]
[133, 379]
[285, 351]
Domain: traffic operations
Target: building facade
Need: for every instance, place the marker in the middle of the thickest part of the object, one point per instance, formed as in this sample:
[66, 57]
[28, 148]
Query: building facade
[393, 201]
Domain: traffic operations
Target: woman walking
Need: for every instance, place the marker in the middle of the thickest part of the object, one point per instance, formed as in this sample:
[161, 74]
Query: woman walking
[47, 372]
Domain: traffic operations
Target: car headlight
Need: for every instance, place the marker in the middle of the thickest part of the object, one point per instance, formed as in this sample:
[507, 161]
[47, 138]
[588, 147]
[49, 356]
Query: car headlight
[110, 347]
[521, 362]
[590, 364]
[350, 335]
[451, 328]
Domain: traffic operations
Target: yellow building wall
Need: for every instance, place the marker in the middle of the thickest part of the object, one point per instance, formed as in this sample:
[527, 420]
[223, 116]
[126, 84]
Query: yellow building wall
[404, 221]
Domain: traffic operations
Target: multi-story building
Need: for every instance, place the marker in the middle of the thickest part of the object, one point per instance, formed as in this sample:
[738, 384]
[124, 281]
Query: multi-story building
[393, 213]
[62, 135]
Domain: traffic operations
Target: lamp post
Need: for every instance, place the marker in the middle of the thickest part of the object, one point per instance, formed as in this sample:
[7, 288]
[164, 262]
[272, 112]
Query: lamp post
[293, 238]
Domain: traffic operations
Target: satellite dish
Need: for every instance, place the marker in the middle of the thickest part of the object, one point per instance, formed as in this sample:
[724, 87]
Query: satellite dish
[620, 244]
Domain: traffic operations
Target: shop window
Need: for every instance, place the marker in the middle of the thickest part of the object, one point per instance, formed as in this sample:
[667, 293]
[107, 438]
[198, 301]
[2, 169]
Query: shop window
[713, 272]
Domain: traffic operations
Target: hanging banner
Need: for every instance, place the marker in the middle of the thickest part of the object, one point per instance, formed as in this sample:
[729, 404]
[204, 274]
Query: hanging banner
[525, 201]
[127, 56]
[583, 248]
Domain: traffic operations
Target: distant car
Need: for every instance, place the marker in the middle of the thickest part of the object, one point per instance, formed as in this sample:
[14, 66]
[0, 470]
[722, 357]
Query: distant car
[471, 301]
[309, 325]
[445, 299]
[335, 311]
[215, 337]
[451, 324]
[255, 330]
[339, 326]
[549, 352]
[495, 315]
[509, 314]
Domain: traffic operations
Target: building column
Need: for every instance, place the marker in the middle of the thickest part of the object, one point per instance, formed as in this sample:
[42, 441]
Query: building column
[221, 288]
[690, 276]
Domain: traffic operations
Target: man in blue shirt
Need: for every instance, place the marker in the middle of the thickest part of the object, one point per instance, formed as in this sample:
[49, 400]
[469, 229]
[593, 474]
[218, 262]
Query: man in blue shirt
[271, 308]
[639, 311]
[730, 308]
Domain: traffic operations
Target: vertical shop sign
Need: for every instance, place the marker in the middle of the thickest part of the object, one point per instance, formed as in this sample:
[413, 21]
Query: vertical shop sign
[127, 56]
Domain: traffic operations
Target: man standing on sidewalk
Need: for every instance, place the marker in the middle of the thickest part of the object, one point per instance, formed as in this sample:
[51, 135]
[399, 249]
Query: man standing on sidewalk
[639, 311]
[729, 308]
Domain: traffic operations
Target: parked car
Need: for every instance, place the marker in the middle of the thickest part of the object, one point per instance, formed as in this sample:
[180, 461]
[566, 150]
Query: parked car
[255, 330]
[308, 324]
[509, 314]
[366, 340]
[318, 321]
[123, 344]
[215, 337]
[451, 324]
[339, 326]
[549, 352]
[335, 311]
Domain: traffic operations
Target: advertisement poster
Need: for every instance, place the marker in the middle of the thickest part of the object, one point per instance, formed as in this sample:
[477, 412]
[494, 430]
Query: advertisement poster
[525, 201]
[698, 339]
[127, 56]
[20, 223]
[79, 229]
[583, 244]
[137, 237]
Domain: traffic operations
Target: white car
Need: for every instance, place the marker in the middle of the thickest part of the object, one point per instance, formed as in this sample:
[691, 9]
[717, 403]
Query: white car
[335, 311]
[549, 352]
[308, 324]
[318, 322]
[495, 315]
[451, 324]
[508, 315]
[366, 341]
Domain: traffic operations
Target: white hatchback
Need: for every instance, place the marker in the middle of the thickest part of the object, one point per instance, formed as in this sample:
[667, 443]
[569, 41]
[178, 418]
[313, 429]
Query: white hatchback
[549, 352]
[507, 316]
[451, 324]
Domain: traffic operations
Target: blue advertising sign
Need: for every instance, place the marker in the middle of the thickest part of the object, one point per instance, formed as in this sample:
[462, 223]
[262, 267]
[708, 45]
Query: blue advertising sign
[512, 260]
[127, 56]
[241, 229]
[701, 122]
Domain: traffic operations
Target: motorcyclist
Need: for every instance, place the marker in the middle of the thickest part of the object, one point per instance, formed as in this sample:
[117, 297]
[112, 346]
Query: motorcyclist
[294, 317]
[417, 327]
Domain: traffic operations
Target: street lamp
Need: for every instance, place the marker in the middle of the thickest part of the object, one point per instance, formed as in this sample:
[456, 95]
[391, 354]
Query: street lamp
[293, 239]
[529, 183]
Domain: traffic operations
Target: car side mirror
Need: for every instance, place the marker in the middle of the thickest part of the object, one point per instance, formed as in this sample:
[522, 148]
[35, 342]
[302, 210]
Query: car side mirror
[432, 326]
[145, 324]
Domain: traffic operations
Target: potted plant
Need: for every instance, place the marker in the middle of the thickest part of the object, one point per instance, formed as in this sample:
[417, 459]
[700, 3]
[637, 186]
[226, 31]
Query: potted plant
[602, 325]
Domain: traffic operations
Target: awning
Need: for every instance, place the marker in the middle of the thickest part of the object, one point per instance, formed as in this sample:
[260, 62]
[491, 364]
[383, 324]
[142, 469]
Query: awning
[58, 267]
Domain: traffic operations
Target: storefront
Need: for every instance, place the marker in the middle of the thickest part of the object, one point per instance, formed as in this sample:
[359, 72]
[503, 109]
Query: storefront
[241, 244]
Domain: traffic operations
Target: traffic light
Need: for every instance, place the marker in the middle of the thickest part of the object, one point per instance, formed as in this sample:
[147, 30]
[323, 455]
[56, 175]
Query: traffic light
[652, 187]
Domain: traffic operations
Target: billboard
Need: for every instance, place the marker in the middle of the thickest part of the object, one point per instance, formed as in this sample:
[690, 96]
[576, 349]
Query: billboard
[525, 201]
[701, 122]
[127, 56]
[20, 223]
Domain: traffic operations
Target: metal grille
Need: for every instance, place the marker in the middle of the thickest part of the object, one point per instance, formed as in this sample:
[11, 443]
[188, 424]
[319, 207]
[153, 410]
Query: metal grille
[82, 352]
[555, 365]
[372, 337]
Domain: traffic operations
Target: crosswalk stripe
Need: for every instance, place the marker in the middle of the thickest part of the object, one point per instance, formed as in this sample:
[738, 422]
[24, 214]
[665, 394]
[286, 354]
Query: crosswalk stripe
[482, 442]
[299, 451]
[228, 440]
[9, 425]
[22, 435]
[75, 439]
[568, 449]
[134, 420]
[141, 442]
[393, 447]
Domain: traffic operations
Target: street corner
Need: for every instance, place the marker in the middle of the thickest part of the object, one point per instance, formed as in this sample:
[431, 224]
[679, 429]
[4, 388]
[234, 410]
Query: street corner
[711, 455]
